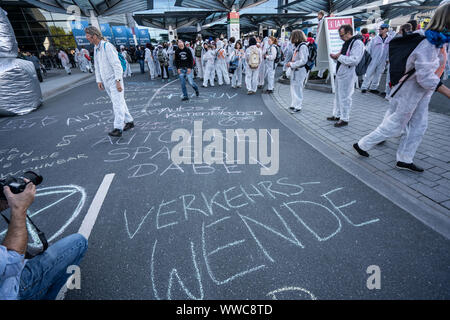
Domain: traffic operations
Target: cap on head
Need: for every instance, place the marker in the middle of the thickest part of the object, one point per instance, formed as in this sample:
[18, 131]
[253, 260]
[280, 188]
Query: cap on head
[384, 26]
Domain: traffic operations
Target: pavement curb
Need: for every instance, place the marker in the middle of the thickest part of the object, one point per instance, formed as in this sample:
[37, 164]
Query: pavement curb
[64, 88]
[431, 215]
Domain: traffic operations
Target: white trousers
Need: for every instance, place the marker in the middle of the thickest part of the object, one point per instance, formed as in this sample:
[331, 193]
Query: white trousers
[209, 74]
[222, 73]
[127, 72]
[152, 69]
[121, 113]
[251, 79]
[373, 76]
[296, 83]
[408, 111]
[270, 74]
[261, 73]
[199, 66]
[343, 97]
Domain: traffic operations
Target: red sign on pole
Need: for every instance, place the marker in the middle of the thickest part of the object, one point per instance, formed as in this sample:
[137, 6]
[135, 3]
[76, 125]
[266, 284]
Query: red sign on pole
[335, 23]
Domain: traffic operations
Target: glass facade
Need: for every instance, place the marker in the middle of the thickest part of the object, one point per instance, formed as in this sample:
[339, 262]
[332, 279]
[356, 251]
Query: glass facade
[39, 31]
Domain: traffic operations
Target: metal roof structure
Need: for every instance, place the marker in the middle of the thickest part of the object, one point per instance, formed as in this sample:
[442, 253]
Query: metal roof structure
[219, 5]
[387, 10]
[177, 19]
[100, 7]
[273, 20]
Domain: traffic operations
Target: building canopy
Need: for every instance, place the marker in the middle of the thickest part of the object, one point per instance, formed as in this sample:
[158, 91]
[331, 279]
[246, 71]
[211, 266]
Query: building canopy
[177, 19]
[100, 7]
[219, 5]
[364, 8]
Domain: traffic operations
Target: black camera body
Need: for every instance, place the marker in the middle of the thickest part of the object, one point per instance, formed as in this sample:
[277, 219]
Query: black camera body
[18, 184]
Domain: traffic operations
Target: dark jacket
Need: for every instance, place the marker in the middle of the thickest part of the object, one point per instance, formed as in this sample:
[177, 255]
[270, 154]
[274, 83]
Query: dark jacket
[183, 58]
[140, 54]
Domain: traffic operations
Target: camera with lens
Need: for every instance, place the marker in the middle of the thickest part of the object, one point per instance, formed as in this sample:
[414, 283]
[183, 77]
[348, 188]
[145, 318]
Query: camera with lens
[18, 184]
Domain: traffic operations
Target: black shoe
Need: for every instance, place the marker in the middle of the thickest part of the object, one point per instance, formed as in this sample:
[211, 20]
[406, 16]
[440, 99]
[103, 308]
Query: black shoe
[333, 118]
[374, 91]
[292, 108]
[341, 123]
[381, 143]
[269, 91]
[115, 133]
[409, 166]
[363, 91]
[360, 151]
[185, 99]
[296, 110]
[197, 93]
[128, 126]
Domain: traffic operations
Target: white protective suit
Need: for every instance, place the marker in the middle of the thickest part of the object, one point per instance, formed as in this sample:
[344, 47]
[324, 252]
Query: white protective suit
[150, 62]
[262, 66]
[156, 62]
[270, 66]
[409, 107]
[64, 61]
[298, 74]
[221, 65]
[379, 51]
[108, 70]
[209, 71]
[251, 75]
[198, 60]
[236, 79]
[127, 72]
[85, 64]
[346, 79]
[171, 54]
[77, 58]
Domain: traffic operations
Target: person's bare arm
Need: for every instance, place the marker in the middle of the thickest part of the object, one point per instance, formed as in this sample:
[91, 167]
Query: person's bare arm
[17, 236]
[444, 90]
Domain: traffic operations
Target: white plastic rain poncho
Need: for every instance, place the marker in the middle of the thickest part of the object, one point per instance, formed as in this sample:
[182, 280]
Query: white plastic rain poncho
[108, 70]
[409, 106]
[85, 63]
[270, 66]
[298, 74]
[379, 51]
[150, 62]
[346, 79]
[208, 67]
[64, 61]
[221, 64]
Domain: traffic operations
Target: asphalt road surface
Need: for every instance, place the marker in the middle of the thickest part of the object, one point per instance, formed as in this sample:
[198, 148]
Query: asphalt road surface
[219, 231]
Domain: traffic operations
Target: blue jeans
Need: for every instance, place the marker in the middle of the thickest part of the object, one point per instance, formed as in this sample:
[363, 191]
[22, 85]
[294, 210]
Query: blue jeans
[141, 64]
[44, 275]
[190, 77]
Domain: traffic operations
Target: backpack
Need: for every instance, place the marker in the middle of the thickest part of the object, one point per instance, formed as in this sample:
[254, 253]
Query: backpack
[253, 59]
[279, 56]
[198, 51]
[363, 64]
[399, 50]
[121, 58]
[160, 56]
[233, 65]
[312, 55]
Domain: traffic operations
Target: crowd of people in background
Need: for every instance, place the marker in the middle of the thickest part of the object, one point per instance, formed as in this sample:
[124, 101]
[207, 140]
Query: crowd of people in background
[224, 61]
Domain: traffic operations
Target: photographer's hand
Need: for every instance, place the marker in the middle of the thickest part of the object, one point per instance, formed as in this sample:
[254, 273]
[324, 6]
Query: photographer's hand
[3, 205]
[17, 236]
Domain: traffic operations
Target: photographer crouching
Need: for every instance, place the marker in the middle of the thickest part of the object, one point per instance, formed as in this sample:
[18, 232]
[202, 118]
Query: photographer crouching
[42, 276]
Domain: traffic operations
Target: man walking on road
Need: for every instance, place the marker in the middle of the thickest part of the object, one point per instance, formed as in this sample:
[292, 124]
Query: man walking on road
[109, 75]
[184, 62]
